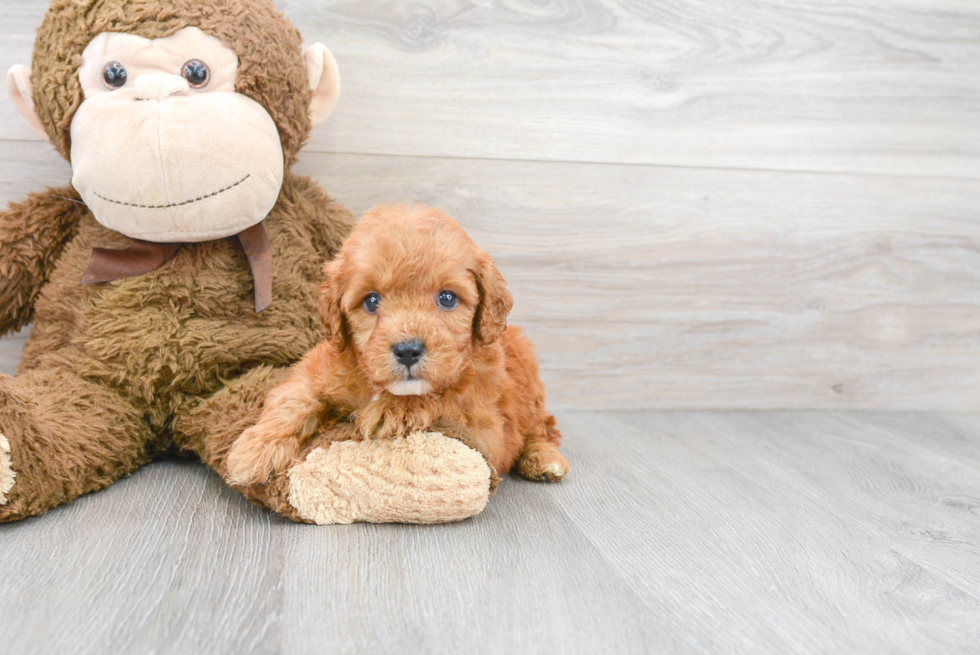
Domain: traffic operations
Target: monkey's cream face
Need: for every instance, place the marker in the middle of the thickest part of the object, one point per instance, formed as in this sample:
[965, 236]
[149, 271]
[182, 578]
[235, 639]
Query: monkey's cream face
[163, 147]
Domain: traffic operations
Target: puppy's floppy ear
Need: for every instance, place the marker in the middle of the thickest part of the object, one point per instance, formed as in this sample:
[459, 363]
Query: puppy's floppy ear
[331, 313]
[495, 301]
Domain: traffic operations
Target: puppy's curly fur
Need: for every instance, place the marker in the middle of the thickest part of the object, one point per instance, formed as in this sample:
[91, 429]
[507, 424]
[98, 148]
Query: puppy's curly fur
[474, 370]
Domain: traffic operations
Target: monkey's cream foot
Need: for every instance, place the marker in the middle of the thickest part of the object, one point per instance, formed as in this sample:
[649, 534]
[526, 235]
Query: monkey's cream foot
[542, 462]
[425, 477]
[7, 473]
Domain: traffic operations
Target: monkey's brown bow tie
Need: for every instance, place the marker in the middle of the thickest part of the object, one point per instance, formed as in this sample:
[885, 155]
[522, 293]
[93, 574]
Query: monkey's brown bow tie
[142, 257]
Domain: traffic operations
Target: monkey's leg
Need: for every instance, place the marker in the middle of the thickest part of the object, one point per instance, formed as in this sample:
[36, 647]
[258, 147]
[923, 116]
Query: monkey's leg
[423, 478]
[60, 437]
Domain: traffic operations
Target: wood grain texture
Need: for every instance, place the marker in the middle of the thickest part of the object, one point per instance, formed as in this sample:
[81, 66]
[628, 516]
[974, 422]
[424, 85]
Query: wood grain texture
[649, 287]
[676, 532]
[862, 86]
[153, 564]
[652, 287]
[773, 556]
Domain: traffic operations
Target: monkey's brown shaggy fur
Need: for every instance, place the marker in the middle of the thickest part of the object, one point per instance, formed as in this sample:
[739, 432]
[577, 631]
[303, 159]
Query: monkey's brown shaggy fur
[467, 366]
[176, 360]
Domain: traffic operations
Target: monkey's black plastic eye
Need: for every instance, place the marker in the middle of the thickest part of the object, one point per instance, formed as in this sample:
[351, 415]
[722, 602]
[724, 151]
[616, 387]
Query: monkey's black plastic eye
[371, 302]
[196, 73]
[114, 75]
[447, 300]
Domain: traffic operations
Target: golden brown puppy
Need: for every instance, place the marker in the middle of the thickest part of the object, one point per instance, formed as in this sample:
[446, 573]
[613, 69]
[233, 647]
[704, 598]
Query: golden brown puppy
[416, 322]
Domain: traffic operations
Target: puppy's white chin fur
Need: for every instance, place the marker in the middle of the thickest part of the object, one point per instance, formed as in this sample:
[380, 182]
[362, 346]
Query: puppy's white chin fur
[409, 388]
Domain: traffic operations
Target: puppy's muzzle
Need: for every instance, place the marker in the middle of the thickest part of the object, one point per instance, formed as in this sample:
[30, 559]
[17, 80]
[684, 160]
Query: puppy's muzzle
[408, 353]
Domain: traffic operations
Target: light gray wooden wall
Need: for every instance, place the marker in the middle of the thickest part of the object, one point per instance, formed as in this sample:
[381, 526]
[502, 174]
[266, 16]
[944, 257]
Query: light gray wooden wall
[698, 203]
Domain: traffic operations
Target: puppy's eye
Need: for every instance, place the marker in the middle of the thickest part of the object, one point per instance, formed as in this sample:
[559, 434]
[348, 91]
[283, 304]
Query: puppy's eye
[447, 300]
[371, 302]
[114, 75]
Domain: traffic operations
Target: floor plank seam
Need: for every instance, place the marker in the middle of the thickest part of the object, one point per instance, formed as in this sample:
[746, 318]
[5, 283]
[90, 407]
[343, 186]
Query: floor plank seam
[610, 163]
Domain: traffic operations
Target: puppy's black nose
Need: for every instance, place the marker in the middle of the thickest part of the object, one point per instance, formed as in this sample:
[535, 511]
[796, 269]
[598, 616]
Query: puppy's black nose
[408, 352]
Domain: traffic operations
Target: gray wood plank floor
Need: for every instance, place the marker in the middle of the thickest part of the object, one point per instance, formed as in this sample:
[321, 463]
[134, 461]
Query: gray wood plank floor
[677, 532]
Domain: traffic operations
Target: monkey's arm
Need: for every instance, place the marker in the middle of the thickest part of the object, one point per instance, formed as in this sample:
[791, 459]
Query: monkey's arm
[33, 233]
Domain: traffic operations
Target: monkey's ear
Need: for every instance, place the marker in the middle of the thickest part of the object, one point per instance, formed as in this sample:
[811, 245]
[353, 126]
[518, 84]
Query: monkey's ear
[21, 93]
[495, 301]
[324, 77]
[335, 325]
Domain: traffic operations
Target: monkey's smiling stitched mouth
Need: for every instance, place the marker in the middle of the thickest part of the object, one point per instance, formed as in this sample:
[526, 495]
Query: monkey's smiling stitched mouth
[175, 204]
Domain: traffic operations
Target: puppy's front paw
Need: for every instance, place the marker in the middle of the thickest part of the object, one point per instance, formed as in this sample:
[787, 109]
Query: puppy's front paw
[256, 455]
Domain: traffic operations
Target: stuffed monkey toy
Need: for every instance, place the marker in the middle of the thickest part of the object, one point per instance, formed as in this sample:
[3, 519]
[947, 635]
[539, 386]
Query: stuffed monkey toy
[174, 282]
